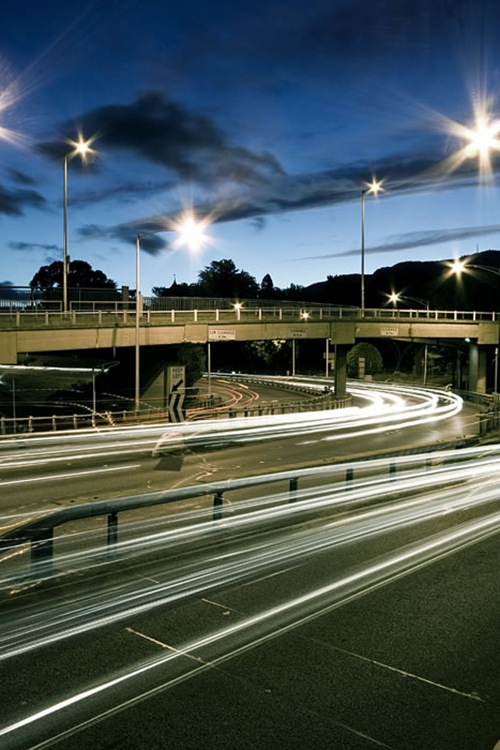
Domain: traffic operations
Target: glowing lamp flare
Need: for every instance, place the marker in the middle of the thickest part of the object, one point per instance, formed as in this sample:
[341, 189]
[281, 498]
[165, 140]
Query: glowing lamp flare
[191, 231]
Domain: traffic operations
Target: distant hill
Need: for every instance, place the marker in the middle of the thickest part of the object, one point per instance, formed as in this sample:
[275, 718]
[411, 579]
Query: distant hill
[428, 281]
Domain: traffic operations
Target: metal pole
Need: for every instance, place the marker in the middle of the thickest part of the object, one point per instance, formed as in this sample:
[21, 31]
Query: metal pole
[137, 322]
[293, 357]
[425, 363]
[326, 357]
[65, 235]
[209, 366]
[496, 369]
[94, 401]
[363, 192]
[14, 405]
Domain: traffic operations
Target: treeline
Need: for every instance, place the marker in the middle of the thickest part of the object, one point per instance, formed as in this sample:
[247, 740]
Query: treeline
[420, 283]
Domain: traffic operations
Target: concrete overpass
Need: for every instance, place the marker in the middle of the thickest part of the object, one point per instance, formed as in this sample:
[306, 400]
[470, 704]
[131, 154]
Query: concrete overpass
[96, 327]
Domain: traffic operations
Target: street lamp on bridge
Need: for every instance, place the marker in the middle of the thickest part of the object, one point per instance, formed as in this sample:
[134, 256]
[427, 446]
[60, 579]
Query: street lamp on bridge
[372, 188]
[395, 297]
[190, 232]
[83, 149]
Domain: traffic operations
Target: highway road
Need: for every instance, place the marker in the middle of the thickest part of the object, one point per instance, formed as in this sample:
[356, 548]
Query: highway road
[362, 615]
[40, 473]
[353, 618]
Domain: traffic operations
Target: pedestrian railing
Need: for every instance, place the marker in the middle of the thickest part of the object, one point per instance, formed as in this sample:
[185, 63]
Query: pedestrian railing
[102, 314]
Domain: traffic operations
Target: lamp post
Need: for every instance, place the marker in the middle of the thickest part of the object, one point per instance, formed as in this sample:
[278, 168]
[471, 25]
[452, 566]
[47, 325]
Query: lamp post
[83, 148]
[374, 187]
[394, 298]
[190, 233]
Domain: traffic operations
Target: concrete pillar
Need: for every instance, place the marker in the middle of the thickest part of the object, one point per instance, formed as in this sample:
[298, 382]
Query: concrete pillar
[340, 381]
[477, 368]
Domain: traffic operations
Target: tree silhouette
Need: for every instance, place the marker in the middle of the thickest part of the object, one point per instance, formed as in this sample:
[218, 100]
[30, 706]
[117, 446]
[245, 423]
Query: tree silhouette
[222, 279]
[80, 275]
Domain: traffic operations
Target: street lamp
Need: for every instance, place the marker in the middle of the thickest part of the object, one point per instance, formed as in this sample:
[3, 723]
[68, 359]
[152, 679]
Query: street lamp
[374, 187]
[190, 231]
[394, 297]
[458, 266]
[83, 148]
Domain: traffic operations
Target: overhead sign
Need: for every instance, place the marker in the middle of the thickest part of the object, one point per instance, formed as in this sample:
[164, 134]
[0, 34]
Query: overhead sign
[221, 334]
[298, 333]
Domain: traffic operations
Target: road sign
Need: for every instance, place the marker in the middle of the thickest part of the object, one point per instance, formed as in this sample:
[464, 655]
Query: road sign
[176, 387]
[221, 334]
[175, 403]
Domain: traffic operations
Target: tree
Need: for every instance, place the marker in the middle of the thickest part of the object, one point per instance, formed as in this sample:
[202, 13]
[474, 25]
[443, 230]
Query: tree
[267, 288]
[372, 357]
[80, 275]
[294, 293]
[176, 290]
[222, 279]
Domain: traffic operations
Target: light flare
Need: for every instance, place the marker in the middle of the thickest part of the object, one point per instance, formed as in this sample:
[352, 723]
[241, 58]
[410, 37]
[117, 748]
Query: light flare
[191, 231]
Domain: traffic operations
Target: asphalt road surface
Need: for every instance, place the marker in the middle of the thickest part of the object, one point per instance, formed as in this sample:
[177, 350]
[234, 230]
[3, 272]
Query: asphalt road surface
[323, 650]
[410, 665]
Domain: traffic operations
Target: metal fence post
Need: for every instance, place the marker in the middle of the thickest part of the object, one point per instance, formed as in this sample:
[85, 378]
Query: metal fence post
[112, 535]
[42, 551]
[218, 501]
[292, 492]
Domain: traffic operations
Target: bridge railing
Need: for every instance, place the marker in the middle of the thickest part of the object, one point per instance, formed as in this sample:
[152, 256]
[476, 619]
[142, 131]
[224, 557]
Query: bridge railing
[101, 314]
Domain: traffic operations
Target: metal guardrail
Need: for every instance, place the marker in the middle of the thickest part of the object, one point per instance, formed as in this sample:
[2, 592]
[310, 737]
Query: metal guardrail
[39, 534]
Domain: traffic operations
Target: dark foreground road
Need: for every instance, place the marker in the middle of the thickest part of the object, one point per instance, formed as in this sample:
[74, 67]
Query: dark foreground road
[413, 665]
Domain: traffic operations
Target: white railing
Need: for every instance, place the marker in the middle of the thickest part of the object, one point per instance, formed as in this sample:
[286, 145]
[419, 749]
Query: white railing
[99, 314]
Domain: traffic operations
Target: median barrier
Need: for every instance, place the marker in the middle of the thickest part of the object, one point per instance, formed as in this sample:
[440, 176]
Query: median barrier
[39, 534]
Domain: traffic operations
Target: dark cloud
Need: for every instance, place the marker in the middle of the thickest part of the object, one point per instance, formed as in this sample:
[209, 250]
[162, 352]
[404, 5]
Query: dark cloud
[411, 240]
[153, 244]
[166, 133]
[408, 173]
[195, 149]
[123, 193]
[27, 246]
[14, 202]
[24, 179]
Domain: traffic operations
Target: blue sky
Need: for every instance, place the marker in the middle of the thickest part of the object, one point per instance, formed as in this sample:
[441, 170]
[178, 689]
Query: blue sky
[269, 118]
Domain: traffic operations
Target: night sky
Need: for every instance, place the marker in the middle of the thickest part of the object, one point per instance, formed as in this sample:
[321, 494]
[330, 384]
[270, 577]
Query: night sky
[267, 118]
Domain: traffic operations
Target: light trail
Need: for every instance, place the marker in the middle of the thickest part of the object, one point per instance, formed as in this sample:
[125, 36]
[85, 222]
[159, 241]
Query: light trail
[254, 630]
[418, 499]
[257, 538]
[389, 408]
[69, 475]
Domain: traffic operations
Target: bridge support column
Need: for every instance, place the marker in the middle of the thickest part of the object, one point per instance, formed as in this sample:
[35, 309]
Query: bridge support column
[477, 368]
[340, 382]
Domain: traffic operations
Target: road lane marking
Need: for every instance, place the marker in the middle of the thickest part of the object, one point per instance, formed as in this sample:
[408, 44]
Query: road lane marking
[70, 475]
[227, 610]
[471, 696]
[166, 646]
